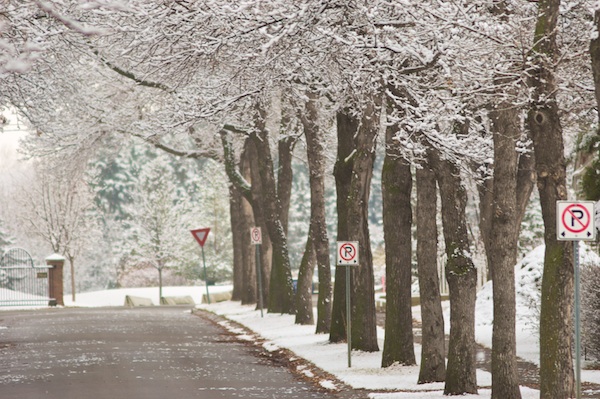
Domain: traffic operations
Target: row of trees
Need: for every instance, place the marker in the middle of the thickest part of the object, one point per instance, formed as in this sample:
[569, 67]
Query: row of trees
[118, 213]
[485, 89]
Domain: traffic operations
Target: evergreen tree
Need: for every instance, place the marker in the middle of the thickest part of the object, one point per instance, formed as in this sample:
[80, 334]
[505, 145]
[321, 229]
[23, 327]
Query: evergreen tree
[6, 239]
[299, 214]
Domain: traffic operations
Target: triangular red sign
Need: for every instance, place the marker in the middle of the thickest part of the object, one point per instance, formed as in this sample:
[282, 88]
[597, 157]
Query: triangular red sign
[200, 235]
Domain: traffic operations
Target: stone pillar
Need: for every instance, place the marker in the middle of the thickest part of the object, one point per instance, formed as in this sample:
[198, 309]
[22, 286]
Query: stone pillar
[56, 263]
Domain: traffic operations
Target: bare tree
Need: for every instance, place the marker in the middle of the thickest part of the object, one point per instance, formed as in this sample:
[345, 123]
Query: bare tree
[310, 119]
[58, 207]
[396, 186]
[462, 280]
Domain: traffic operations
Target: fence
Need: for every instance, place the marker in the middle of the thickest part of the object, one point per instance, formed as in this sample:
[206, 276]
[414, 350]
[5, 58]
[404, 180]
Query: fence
[24, 284]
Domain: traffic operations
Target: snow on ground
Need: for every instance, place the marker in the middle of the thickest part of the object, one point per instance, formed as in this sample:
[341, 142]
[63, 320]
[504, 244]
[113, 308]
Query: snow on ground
[528, 282]
[116, 297]
[366, 372]
[279, 331]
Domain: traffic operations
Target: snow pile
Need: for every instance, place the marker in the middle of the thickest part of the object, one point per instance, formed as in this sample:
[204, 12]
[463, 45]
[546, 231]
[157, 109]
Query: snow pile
[528, 284]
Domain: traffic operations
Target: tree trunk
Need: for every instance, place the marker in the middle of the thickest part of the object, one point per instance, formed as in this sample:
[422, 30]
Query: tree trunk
[364, 326]
[433, 353]
[237, 236]
[556, 357]
[347, 125]
[304, 307]
[396, 186]
[502, 252]
[258, 210]
[318, 222]
[250, 287]
[526, 178]
[461, 275]
[238, 177]
[595, 58]
[285, 172]
[486, 193]
[525, 184]
[72, 265]
[281, 292]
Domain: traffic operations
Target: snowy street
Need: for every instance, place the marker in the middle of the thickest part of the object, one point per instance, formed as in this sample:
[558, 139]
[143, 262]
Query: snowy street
[157, 352]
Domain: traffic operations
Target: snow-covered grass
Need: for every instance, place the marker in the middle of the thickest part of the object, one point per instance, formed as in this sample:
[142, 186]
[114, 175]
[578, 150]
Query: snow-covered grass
[279, 331]
[116, 297]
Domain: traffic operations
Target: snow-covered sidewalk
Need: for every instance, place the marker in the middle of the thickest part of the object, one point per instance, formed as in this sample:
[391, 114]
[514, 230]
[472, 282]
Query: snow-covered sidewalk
[366, 372]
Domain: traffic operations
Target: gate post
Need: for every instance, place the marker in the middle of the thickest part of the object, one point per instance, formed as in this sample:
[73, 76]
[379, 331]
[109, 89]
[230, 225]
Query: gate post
[55, 263]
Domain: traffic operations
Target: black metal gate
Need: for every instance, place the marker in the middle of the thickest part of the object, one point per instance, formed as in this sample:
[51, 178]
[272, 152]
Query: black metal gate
[21, 282]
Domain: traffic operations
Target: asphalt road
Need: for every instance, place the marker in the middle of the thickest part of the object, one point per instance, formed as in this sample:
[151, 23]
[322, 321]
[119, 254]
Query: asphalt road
[145, 353]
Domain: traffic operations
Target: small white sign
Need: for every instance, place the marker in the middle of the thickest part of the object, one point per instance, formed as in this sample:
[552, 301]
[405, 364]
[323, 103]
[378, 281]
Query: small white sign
[575, 221]
[255, 236]
[347, 253]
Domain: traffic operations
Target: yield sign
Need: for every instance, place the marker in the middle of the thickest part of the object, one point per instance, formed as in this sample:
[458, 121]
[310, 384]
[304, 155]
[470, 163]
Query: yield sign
[575, 220]
[200, 235]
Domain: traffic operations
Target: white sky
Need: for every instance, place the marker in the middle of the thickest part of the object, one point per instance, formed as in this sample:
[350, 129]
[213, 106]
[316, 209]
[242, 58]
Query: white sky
[10, 134]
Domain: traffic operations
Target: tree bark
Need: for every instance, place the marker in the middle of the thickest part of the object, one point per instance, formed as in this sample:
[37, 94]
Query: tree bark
[502, 251]
[281, 292]
[285, 173]
[461, 275]
[304, 307]
[73, 286]
[433, 353]
[396, 186]
[486, 193]
[258, 211]
[250, 286]
[237, 236]
[347, 126]
[556, 357]
[318, 222]
[364, 326]
[595, 57]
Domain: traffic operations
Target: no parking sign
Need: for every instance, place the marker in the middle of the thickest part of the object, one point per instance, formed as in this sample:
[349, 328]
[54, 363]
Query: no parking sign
[347, 253]
[575, 221]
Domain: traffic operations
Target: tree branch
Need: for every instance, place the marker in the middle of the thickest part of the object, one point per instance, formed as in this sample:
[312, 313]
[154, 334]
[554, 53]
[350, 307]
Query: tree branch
[430, 64]
[131, 75]
[235, 177]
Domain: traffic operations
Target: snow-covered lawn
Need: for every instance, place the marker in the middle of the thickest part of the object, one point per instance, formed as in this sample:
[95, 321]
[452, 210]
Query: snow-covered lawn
[279, 331]
[116, 297]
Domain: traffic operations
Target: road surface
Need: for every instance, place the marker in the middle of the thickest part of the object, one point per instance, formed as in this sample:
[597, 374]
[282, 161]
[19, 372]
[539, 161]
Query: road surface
[145, 353]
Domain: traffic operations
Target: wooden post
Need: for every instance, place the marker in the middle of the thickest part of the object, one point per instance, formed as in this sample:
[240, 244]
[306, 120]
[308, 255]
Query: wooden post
[56, 263]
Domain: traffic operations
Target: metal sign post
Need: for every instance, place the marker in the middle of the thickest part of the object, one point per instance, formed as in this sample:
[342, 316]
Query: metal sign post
[200, 235]
[205, 277]
[577, 321]
[347, 254]
[575, 222]
[256, 239]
